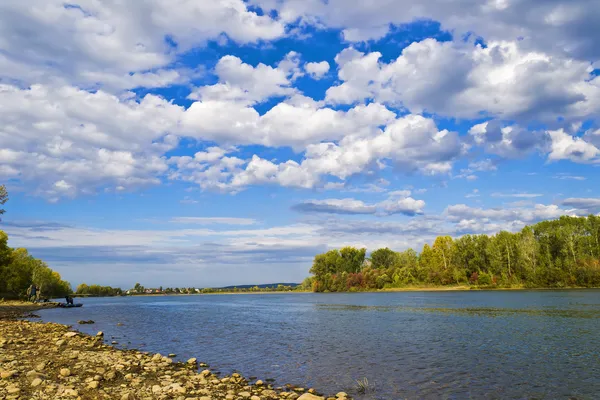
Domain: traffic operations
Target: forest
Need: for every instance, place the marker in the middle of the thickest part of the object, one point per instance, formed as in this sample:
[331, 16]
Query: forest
[550, 254]
[18, 270]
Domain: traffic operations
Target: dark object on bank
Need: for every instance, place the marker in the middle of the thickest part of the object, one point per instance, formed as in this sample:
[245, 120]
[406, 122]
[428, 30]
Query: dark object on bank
[86, 322]
[69, 299]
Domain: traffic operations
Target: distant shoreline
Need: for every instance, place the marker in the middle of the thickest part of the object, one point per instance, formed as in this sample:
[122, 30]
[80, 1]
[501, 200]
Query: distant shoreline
[388, 290]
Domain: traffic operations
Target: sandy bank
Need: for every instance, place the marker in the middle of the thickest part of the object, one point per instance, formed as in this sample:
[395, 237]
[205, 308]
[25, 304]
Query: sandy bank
[49, 361]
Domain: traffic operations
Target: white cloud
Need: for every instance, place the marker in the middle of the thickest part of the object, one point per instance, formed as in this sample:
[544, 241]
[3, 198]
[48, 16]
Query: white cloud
[93, 43]
[395, 204]
[506, 141]
[317, 70]
[567, 147]
[296, 123]
[462, 80]
[411, 143]
[241, 83]
[539, 212]
[66, 141]
[564, 28]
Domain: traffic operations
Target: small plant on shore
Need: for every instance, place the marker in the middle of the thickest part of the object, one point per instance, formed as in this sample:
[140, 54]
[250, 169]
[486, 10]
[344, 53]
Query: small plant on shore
[363, 386]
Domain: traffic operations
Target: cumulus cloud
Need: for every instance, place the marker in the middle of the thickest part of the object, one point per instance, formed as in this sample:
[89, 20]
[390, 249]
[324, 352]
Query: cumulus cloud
[510, 141]
[454, 79]
[115, 45]
[66, 141]
[317, 69]
[410, 143]
[567, 147]
[241, 83]
[563, 28]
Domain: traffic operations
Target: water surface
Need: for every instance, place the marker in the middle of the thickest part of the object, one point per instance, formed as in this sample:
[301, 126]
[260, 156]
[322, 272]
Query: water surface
[409, 345]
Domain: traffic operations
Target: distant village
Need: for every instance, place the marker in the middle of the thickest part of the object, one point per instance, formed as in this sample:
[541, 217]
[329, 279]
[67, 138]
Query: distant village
[160, 290]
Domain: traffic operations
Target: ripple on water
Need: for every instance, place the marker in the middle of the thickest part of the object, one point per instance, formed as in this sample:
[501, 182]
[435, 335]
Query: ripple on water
[409, 345]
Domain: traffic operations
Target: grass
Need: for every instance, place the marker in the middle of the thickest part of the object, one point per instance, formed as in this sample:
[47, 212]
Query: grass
[363, 386]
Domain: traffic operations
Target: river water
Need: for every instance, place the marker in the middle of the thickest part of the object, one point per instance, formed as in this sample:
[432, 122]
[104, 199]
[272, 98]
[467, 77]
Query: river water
[408, 345]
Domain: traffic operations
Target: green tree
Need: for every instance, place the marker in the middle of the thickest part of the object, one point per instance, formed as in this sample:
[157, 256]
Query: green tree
[3, 198]
[383, 258]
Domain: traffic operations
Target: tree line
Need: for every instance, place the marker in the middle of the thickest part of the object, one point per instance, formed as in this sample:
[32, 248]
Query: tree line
[97, 290]
[18, 270]
[550, 254]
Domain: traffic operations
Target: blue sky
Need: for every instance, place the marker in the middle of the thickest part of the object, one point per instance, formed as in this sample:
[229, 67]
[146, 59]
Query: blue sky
[227, 142]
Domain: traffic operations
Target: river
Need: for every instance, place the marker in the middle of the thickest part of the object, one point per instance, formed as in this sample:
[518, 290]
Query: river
[408, 345]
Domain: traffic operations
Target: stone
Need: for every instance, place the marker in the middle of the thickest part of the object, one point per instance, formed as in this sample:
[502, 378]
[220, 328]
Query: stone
[341, 394]
[259, 383]
[65, 372]
[70, 334]
[36, 382]
[309, 396]
[13, 390]
[172, 355]
[255, 398]
[156, 389]
[192, 361]
[7, 374]
[93, 385]
[100, 334]
[245, 395]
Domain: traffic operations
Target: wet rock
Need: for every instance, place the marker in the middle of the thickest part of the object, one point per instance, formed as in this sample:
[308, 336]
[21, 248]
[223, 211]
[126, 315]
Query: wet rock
[100, 334]
[89, 321]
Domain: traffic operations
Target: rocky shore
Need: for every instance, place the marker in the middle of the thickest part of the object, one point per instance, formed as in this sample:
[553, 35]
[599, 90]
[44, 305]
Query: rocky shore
[51, 361]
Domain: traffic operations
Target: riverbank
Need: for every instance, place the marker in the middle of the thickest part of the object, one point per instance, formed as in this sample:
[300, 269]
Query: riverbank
[21, 309]
[51, 361]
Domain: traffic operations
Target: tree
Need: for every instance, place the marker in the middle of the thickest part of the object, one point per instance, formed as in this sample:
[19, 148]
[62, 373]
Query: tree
[138, 288]
[383, 258]
[3, 198]
[352, 259]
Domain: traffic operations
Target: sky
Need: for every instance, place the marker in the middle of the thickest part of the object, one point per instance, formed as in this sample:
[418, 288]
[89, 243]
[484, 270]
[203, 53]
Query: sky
[211, 143]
